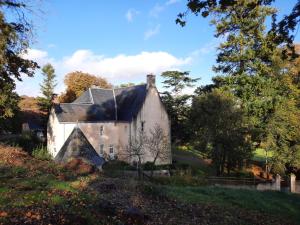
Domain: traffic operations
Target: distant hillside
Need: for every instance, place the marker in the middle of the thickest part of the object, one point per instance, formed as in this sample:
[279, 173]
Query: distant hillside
[28, 104]
[30, 112]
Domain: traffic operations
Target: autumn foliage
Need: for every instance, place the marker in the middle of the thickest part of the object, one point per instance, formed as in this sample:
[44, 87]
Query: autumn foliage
[77, 82]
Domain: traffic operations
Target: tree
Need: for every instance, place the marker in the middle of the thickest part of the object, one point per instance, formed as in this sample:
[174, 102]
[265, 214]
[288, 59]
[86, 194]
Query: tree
[221, 129]
[14, 40]
[177, 103]
[283, 138]
[47, 87]
[158, 146]
[77, 82]
[126, 85]
[259, 68]
[135, 151]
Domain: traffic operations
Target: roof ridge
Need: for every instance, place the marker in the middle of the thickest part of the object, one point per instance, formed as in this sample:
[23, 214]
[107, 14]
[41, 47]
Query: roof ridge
[110, 89]
[76, 103]
[129, 86]
[95, 87]
[91, 96]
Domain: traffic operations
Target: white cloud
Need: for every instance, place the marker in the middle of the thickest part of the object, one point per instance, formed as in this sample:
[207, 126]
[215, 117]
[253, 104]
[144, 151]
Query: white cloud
[156, 10]
[122, 66]
[130, 14]
[39, 56]
[35, 54]
[116, 69]
[152, 32]
[171, 2]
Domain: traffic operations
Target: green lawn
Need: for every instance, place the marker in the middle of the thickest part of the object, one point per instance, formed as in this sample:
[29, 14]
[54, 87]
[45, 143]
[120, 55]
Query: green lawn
[272, 203]
[191, 158]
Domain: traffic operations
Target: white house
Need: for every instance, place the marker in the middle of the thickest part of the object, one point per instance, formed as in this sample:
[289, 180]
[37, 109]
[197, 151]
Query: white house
[105, 121]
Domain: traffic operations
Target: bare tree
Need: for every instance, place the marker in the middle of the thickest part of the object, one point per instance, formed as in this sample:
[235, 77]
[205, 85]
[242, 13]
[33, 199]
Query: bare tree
[155, 144]
[158, 145]
[136, 150]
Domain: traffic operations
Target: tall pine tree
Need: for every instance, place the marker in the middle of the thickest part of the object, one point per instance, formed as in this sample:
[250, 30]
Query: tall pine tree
[250, 66]
[47, 87]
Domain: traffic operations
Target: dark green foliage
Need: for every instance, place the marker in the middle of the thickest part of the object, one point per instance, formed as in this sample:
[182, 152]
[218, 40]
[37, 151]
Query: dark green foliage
[283, 137]
[259, 69]
[221, 130]
[27, 140]
[177, 81]
[176, 103]
[117, 165]
[47, 87]
[14, 40]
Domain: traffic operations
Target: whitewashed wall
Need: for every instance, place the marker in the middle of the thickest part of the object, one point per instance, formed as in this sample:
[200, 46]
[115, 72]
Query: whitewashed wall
[57, 133]
[152, 113]
[114, 133]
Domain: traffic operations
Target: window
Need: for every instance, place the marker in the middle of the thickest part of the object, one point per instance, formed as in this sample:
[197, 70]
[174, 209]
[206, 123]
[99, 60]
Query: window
[101, 149]
[101, 130]
[142, 125]
[111, 149]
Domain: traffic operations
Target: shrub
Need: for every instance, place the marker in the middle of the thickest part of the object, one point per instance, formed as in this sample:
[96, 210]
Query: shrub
[27, 140]
[149, 166]
[40, 152]
[117, 165]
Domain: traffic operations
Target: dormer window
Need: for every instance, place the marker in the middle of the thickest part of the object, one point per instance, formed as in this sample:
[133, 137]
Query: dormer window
[101, 130]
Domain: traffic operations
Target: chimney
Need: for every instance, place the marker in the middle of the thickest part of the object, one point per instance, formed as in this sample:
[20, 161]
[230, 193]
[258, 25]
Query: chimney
[150, 80]
[54, 99]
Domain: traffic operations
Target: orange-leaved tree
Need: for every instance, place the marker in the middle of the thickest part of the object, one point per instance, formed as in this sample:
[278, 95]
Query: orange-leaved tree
[77, 82]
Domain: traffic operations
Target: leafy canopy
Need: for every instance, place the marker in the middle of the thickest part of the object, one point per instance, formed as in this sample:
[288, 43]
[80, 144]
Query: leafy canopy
[14, 41]
[77, 82]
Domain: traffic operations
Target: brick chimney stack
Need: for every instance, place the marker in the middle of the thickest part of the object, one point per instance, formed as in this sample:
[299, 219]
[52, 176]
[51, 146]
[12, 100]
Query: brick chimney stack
[150, 80]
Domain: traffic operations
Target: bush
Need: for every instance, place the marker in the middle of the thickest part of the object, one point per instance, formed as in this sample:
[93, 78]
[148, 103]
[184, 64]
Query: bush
[149, 166]
[27, 140]
[117, 165]
[40, 152]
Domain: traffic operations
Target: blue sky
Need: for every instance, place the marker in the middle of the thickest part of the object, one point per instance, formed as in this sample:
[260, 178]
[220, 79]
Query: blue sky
[122, 40]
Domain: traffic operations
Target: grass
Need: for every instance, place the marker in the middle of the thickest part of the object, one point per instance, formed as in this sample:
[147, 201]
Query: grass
[273, 203]
[52, 192]
[260, 155]
[187, 157]
[41, 152]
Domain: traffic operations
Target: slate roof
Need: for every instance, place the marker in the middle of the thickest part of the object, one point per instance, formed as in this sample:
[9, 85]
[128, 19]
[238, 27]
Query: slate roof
[97, 104]
[77, 146]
